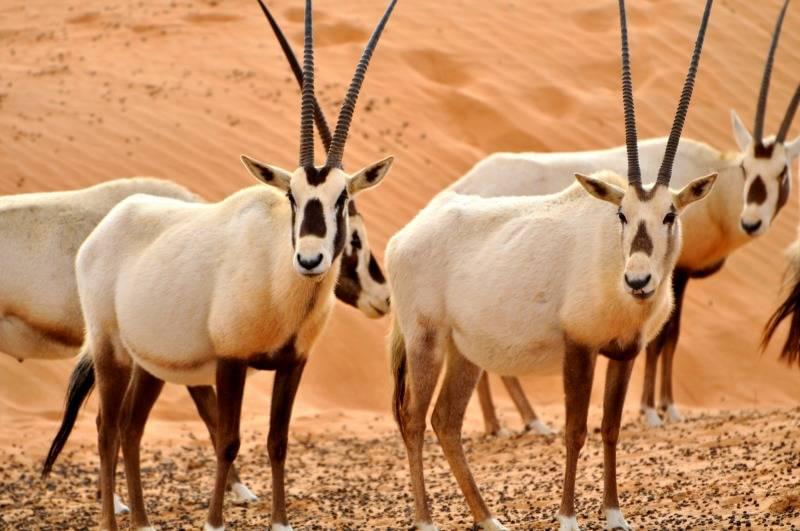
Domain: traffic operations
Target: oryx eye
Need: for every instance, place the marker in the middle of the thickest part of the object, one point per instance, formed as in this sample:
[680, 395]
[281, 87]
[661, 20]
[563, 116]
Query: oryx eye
[669, 219]
[622, 218]
[355, 243]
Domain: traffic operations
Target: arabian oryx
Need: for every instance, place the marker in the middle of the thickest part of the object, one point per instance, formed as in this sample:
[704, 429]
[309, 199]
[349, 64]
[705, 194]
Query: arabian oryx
[198, 294]
[752, 188]
[40, 315]
[520, 284]
[54, 328]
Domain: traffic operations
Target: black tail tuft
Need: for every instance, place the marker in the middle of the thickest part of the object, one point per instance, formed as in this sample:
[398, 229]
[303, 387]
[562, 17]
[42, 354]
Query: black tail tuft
[789, 308]
[80, 385]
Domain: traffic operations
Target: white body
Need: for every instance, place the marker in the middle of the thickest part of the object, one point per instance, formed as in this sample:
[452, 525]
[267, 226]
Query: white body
[180, 285]
[512, 278]
[711, 228]
[40, 233]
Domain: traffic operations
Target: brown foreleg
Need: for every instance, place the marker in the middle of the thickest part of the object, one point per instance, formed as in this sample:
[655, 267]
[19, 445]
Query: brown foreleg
[284, 390]
[667, 402]
[579, 363]
[460, 378]
[618, 376]
[490, 421]
[206, 403]
[142, 393]
[230, 388]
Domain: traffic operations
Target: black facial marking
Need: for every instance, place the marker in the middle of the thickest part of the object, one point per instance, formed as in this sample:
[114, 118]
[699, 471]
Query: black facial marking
[351, 209]
[341, 233]
[316, 176]
[375, 270]
[355, 242]
[645, 195]
[313, 220]
[783, 192]
[642, 242]
[761, 151]
[294, 217]
[348, 286]
[757, 193]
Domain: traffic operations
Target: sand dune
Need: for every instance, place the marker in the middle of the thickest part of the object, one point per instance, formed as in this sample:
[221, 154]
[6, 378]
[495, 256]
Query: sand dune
[94, 90]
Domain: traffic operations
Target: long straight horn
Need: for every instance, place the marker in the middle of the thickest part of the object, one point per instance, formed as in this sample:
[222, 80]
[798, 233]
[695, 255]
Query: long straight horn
[788, 117]
[307, 105]
[761, 109]
[665, 173]
[336, 152]
[634, 171]
[319, 117]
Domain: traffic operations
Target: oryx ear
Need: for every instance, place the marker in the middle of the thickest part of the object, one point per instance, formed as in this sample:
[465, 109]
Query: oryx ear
[601, 189]
[271, 175]
[369, 176]
[694, 191]
[793, 149]
[740, 132]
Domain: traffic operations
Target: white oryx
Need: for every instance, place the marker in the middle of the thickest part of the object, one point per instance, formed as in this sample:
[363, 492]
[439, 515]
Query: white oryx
[520, 284]
[199, 294]
[40, 314]
[752, 188]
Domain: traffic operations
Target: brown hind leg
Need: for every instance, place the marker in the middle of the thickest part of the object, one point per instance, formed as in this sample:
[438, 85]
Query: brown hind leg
[667, 403]
[460, 378]
[142, 393]
[491, 423]
[618, 376]
[284, 390]
[206, 403]
[579, 363]
[230, 389]
[112, 379]
[529, 418]
[424, 366]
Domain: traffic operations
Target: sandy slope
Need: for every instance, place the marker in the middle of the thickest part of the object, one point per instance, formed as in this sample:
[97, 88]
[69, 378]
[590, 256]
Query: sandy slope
[92, 90]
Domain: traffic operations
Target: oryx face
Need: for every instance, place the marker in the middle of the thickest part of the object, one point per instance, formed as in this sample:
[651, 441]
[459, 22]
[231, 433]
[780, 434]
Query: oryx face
[649, 228]
[767, 174]
[318, 197]
[361, 282]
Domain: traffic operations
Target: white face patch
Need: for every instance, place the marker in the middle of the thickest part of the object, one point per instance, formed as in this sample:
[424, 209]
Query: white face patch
[650, 236]
[318, 197]
[767, 185]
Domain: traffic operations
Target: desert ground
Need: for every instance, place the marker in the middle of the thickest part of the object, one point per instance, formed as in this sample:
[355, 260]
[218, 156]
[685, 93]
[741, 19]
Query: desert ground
[92, 90]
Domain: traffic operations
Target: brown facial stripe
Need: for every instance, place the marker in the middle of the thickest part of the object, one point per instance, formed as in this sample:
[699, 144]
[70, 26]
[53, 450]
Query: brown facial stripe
[285, 356]
[375, 270]
[348, 286]
[51, 333]
[313, 220]
[316, 176]
[351, 208]
[761, 151]
[783, 191]
[757, 193]
[642, 242]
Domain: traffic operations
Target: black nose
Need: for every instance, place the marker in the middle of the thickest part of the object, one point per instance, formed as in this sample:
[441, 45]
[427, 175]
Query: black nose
[638, 283]
[751, 228]
[309, 264]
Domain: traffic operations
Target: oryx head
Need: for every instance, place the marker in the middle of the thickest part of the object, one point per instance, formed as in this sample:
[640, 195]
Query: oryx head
[361, 283]
[649, 216]
[766, 163]
[319, 195]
